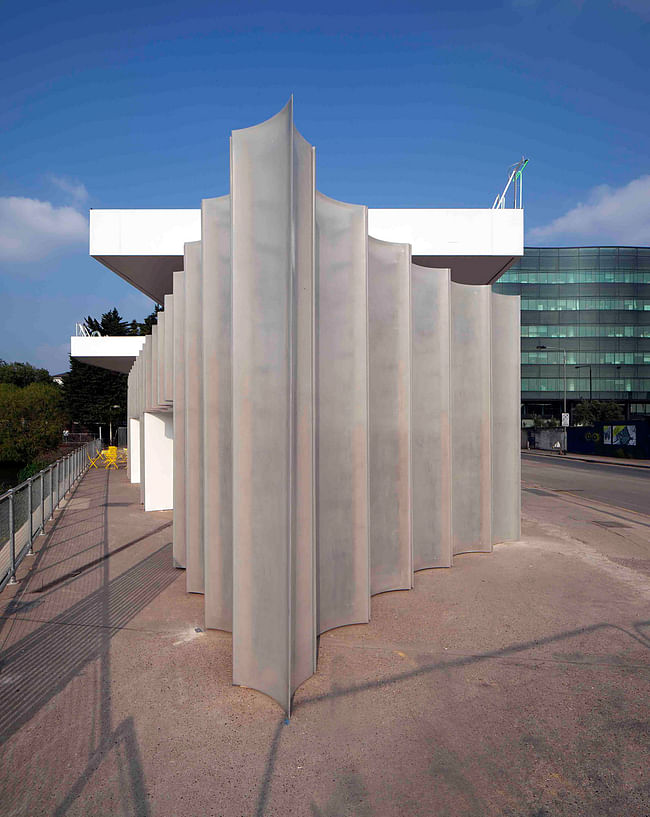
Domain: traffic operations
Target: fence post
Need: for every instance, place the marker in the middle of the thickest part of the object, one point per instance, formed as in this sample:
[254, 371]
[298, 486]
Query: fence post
[30, 511]
[42, 503]
[51, 491]
[12, 541]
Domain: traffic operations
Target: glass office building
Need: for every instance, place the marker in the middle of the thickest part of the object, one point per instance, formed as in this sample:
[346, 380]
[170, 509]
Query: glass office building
[592, 304]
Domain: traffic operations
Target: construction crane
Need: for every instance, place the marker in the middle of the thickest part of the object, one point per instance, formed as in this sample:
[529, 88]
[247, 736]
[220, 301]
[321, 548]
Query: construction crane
[515, 178]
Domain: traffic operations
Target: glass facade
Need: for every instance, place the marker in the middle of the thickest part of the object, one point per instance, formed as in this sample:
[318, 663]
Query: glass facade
[592, 304]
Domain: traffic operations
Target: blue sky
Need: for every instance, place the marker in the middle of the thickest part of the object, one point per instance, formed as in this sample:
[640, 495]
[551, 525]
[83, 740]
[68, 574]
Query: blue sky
[421, 104]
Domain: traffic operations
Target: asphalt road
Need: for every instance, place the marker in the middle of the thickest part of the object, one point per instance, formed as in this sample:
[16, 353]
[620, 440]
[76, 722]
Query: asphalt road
[622, 486]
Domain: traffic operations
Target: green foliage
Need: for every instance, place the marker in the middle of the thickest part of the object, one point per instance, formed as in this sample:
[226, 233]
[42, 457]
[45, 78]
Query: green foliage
[588, 412]
[144, 328]
[22, 374]
[31, 469]
[31, 420]
[113, 325]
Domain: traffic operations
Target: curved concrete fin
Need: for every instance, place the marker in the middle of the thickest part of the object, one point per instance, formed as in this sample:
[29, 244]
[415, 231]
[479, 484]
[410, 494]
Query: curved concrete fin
[341, 413]
[431, 417]
[272, 188]
[470, 401]
[179, 545]
[389, 333]
[193, 419]
[506, 400]
[217, 411]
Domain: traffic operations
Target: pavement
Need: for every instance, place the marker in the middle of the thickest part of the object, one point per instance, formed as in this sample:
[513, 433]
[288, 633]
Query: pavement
[514, 684]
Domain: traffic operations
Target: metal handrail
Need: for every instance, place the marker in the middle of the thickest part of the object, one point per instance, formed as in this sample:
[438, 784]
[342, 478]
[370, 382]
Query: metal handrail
[17, 534]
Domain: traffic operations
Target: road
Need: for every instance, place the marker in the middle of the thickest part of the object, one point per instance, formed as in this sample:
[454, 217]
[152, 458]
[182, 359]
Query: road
[622, 486]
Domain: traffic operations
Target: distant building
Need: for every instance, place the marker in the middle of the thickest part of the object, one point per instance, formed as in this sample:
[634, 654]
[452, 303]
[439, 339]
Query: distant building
[593, 302]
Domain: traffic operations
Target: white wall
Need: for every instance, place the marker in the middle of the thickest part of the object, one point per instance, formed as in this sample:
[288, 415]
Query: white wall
[158, 474]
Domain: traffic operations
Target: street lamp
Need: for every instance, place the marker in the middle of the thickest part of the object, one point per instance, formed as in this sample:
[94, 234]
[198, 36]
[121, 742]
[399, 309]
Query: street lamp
[587, 366]
[562, 349]
[110, 424]
[559, 349]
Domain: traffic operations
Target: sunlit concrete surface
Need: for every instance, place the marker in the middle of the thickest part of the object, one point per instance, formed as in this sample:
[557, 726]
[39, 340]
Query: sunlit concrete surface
[514, 684]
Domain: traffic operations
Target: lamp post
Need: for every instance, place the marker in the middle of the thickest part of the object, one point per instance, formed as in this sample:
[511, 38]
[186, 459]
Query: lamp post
[562, 349]
[587, 366]
[110, 425]
[559, 349]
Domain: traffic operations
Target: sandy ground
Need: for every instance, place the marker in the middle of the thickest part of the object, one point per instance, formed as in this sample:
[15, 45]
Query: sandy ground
[514, 684]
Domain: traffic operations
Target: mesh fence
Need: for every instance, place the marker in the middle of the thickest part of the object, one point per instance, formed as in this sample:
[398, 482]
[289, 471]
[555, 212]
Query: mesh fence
[43, 492]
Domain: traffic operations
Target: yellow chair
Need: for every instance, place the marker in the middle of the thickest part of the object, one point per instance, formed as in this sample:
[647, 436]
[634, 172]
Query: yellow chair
[94, 460]
[110, 457]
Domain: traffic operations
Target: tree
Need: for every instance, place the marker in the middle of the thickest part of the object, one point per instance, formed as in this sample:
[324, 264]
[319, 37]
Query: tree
[111, 324]
[90, 393]
[588, 412]
[144, 328]
[32, 419]
[22, 374]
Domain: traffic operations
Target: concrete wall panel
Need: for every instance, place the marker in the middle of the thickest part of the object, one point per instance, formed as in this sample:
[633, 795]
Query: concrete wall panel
[272, 257]
[217, 411]
[341, 413]
[431, 417]
[506, 399]
[179, 547]
[193, 419]
[389, 332]
[472, 422]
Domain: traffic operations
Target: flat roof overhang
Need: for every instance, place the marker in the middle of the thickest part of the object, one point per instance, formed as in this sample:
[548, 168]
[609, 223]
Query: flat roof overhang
[145, 247]
[114, 353]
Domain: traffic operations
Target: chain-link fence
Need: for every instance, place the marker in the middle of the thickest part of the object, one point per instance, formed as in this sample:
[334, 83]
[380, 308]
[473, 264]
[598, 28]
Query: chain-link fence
[25, 509]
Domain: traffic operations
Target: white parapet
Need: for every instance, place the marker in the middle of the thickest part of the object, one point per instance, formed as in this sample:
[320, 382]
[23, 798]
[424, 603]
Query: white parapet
[146, 246]
[114, 353]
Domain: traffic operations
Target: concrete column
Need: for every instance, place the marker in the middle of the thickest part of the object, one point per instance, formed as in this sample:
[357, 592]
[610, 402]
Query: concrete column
[472, 419]
[274, 633]
[431, 417]
[341, 412]
[506, 401]
[179, 546]
[168, 388]
[389, 333]
[160, 381]
[193, 419]
[158, 433]
[217, 410]
[153, 401]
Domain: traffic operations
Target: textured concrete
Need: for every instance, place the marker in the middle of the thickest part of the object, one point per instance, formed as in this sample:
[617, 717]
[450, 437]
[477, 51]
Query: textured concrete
[515, 684]
[274, 628]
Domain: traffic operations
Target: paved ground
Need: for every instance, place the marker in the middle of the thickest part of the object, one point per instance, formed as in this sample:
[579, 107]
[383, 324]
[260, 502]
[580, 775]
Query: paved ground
[623, 486]
[514, 684]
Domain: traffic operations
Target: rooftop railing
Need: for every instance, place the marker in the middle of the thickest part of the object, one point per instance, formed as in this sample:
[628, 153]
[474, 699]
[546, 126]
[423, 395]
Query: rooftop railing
[25, 509]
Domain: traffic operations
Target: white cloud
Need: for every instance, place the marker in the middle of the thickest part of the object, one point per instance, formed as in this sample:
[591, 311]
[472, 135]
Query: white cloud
[76, 190]
[611, 215]
[31, 229]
